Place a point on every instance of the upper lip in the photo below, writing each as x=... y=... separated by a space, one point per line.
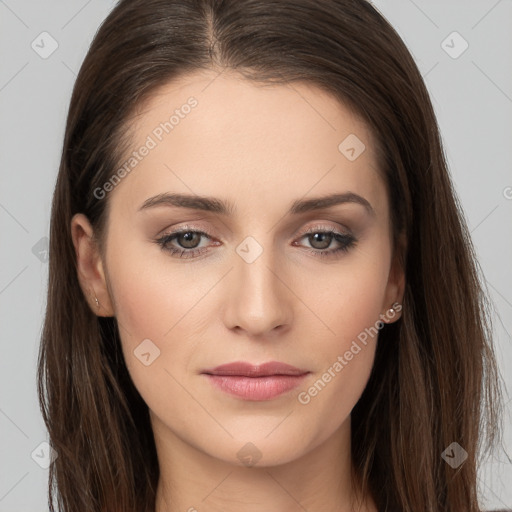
x=250 y=370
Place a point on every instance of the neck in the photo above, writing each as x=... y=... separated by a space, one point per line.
x=193 y=481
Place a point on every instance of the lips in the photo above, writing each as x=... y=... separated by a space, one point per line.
x=243 y=369
x=251 y=382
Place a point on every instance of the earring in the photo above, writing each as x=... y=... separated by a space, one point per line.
x=394 y=307
x=97 y=301
x=392 y=310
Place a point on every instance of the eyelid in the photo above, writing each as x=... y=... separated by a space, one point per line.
x=312 y=229
x=325 y=227
x=186 y=228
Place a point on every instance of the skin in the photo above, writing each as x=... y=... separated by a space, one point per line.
x=261 y=148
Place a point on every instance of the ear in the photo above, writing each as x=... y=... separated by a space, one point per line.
x=90 y=270
x=395 y=288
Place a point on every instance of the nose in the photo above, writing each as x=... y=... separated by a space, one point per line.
x=259 y=298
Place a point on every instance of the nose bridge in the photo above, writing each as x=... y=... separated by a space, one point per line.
x=258 y=297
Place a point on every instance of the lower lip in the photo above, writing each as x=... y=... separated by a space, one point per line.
x=256 y=388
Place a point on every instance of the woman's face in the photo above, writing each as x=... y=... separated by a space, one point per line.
x=259 y=285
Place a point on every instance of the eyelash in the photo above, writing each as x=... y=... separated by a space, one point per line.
x=347 y=241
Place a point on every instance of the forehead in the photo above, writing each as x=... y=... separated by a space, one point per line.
x=210 y=134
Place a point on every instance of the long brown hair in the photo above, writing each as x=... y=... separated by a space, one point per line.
x=435 y=379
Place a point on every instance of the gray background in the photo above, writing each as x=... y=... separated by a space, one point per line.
x=472 y=96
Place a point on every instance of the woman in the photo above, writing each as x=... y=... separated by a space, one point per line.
x=262 y=294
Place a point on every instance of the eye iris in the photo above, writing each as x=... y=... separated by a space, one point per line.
x=323 y=238
x=189 y=239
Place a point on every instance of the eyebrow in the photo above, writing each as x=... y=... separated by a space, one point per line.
x=222 y=207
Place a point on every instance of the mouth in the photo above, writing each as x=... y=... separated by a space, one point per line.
x=253 y=382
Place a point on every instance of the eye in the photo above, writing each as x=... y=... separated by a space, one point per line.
x=321 y=239
x=189 y=240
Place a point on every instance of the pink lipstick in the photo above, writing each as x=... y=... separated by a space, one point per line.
x=253 y=382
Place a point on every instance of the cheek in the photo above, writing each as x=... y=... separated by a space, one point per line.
x=351 y=309
x=151 y=303
x=354 y=291
x=344 y=359
x=326 y=401
x=154 y=309
x=150 y=295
